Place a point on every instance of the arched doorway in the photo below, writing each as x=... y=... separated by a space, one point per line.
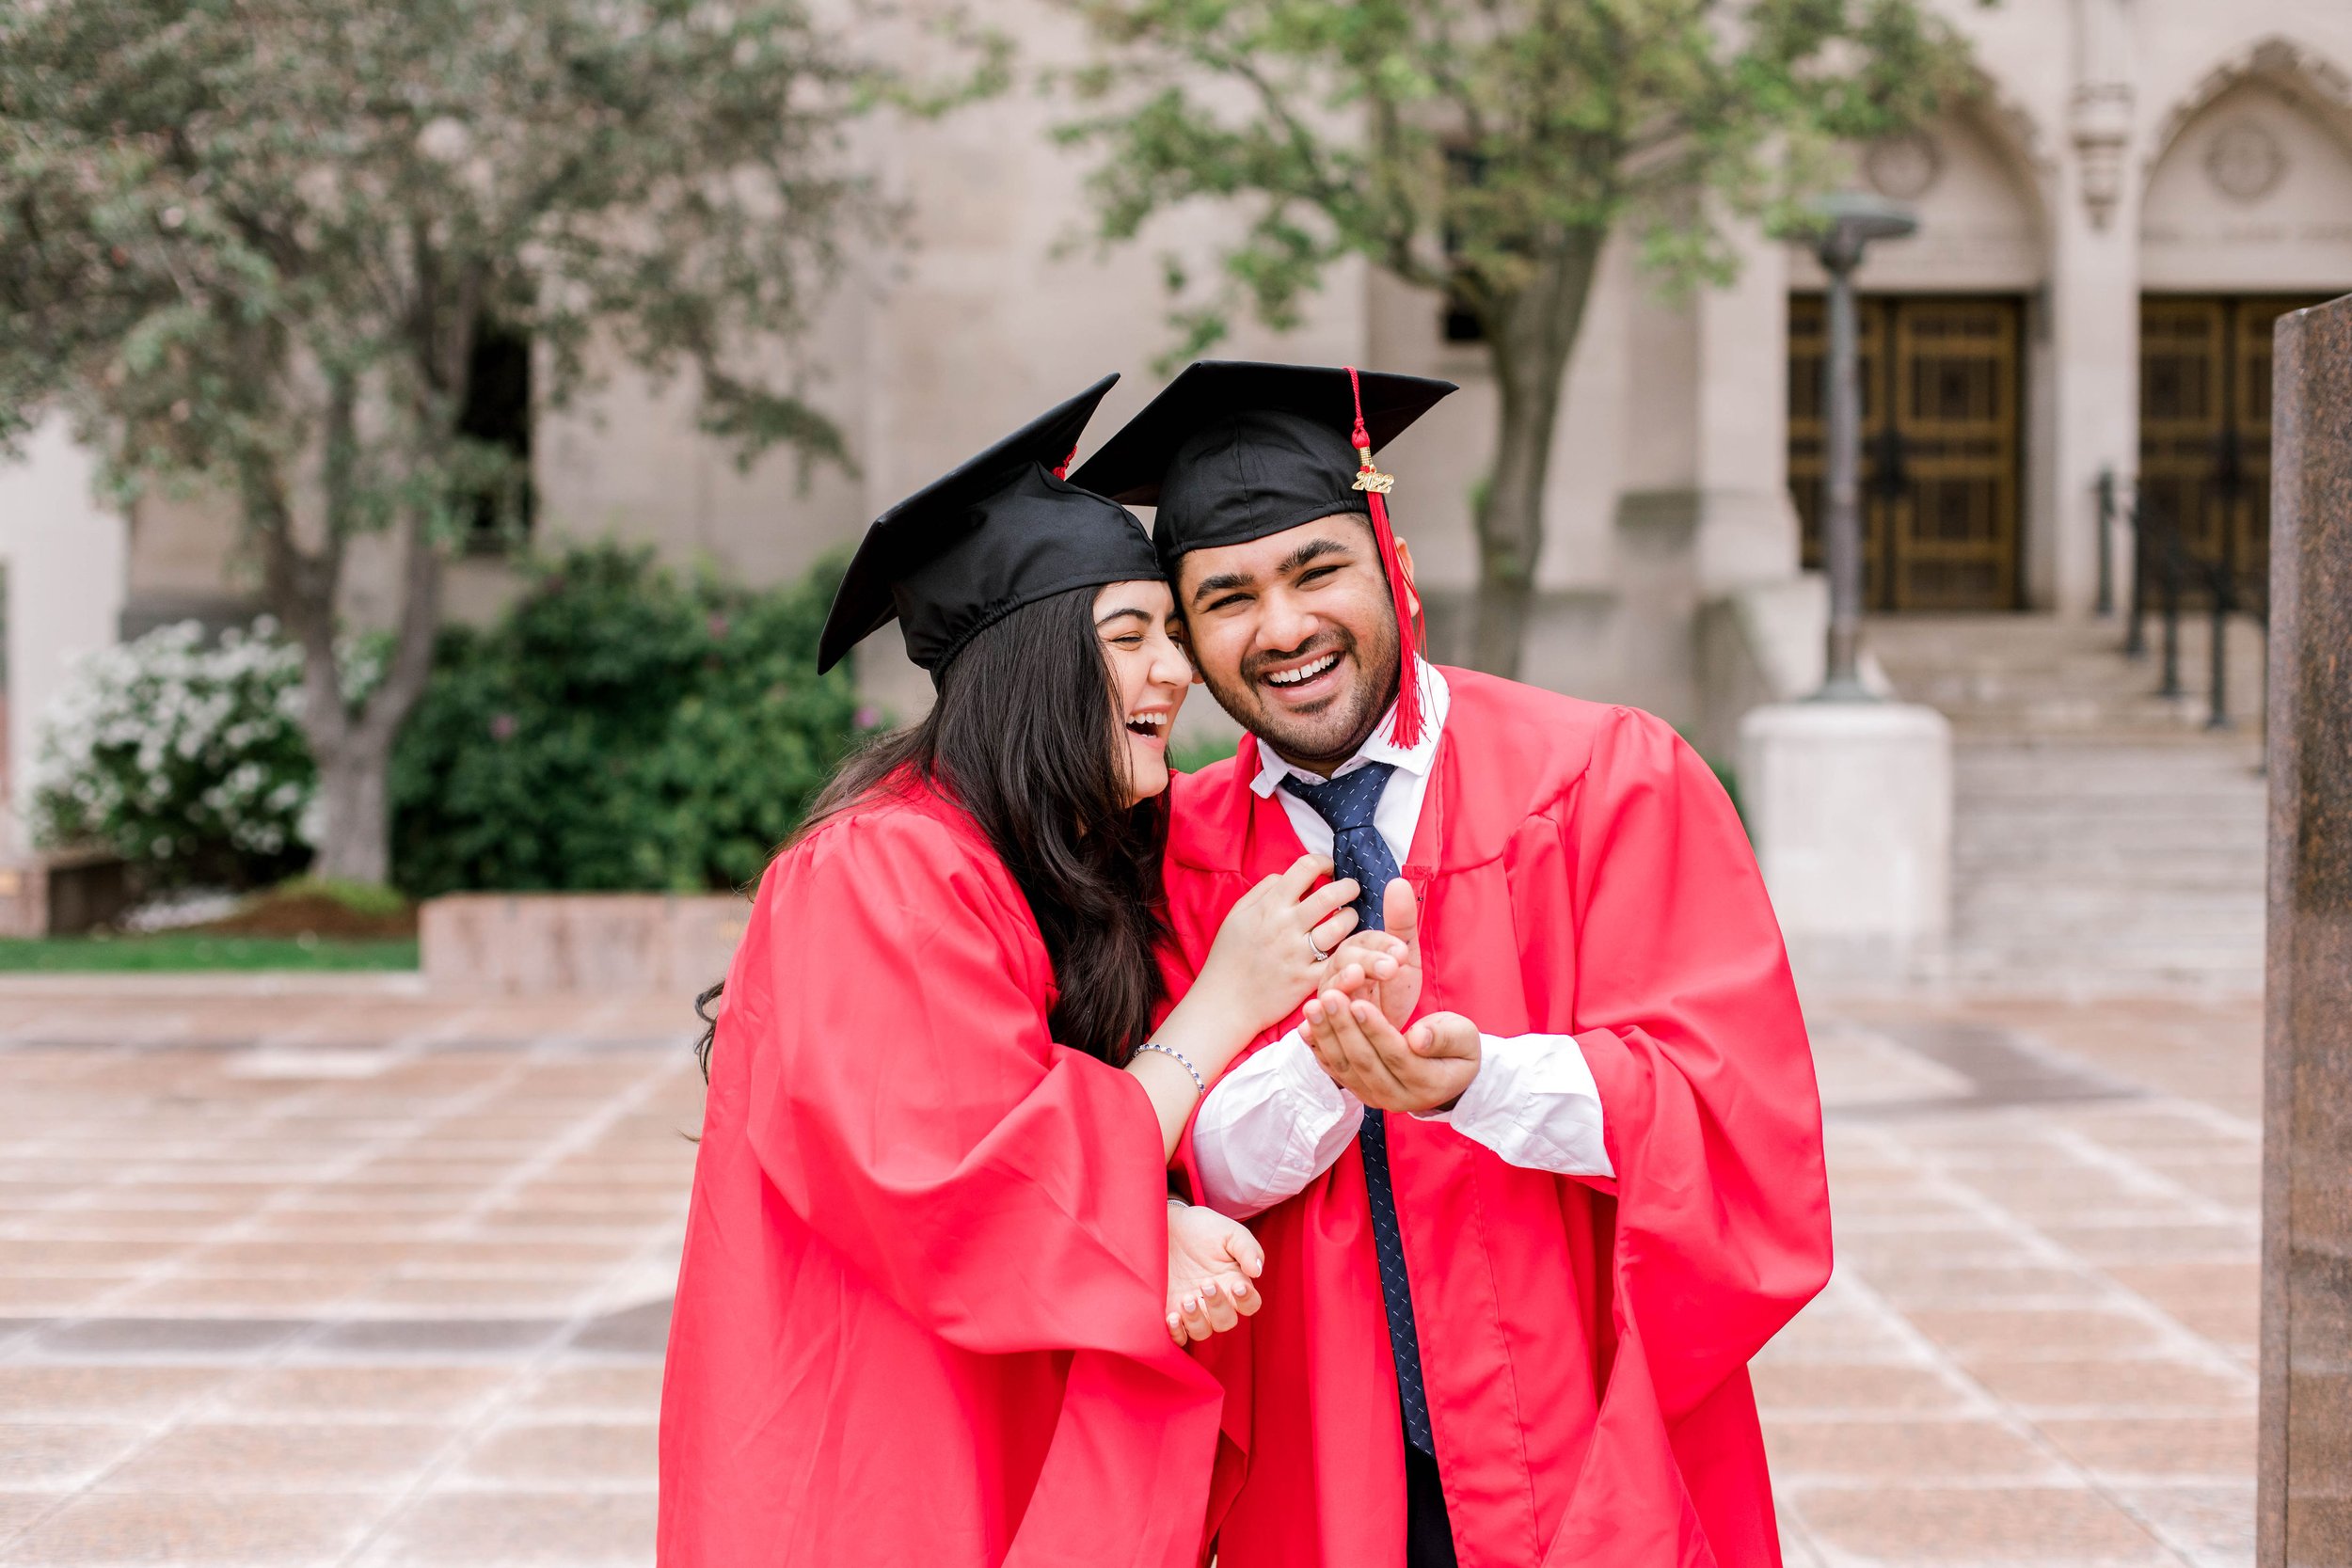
x=2247 y=215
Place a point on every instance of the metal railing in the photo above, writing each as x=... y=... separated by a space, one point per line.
x=2162 y=568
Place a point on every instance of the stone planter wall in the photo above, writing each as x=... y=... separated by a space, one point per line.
x=576 y=943
x=62 y=892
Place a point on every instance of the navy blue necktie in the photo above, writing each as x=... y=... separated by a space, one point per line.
x=1358 y=851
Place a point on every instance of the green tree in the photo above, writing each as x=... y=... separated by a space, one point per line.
x=1486 y=150
x=250 y=247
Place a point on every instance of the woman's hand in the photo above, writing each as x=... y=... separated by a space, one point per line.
x=1264 y=963
x=1210 y=1262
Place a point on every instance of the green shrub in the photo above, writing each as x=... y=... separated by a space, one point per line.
x=1193 y=756
x=621 y=727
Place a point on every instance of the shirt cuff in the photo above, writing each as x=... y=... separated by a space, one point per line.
x=1535 y=1104
x=1269 y=1127
x=1292 y=1066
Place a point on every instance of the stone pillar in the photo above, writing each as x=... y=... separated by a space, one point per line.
x=1706 y=536
x=2304 y=1510
x=65 y=560
x=1748 y=533
x=2093 y=310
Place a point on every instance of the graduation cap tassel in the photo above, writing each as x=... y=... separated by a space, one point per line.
x=1062 y=469
x=1376 y=485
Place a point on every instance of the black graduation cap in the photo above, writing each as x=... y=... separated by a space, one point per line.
x=1003 y=530
x=1234 y=451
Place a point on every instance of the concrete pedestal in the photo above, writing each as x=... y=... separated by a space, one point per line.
x=1850 y=808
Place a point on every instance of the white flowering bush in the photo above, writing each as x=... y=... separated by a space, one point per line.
x=185 y=755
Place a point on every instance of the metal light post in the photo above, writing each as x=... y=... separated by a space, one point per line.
x=1848 y=223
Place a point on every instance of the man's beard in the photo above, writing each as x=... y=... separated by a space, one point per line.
x=1324 y=739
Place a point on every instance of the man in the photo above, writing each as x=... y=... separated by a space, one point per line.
x=1520 y=1250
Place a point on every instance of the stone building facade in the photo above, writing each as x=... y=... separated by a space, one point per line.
x=2105 y=234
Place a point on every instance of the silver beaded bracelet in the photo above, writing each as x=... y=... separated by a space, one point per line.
x=1198 y=1081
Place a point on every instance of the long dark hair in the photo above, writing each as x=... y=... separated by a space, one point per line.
x=1028 y=737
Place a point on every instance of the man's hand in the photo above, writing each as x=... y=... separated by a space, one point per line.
x=1426 y=1067
x=1210 y=1262
x=1389 y=958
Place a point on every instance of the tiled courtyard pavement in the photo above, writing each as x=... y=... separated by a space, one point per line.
x=2039 y=1344
x=340 y=1274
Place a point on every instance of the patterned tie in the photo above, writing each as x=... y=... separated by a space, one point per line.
x=1358 y=851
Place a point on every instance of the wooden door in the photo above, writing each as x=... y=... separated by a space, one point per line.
x=2205 y=435
x=1941 y=448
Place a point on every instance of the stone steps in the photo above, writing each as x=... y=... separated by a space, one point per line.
x=2122 y=828
x=2103 y=839
x=1987 y=886
x=2122 y=949
x=2004 y=890
x=2198 y=972
x=2215 y=818
x=2021 y=676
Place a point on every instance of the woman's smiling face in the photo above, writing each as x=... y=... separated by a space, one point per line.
x=1150 y=673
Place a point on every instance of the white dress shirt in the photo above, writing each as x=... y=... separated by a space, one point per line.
x=1277 y=1121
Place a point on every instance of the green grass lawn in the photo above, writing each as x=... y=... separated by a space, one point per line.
x=192 y=950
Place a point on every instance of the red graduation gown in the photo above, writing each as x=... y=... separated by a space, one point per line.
x=919 y=1318
x=1583 y=1343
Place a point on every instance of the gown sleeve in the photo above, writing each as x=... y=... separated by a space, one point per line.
x=1688 y=1019
x=1004 y=1190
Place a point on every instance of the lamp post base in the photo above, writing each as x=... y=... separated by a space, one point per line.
x=1845 y=688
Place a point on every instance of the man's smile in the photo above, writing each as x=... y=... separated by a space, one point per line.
x=1307 y=680
x=1306 y=671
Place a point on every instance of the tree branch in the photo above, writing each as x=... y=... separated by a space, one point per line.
x=420 y=620
x=343 y=455
x=299 y=587
x=1322 y=189
x=1401 y=226
x=1451 y=85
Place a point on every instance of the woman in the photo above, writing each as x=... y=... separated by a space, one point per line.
x=923 y=1313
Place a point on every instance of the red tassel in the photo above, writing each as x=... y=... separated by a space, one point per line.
x=1406 y=732
x=1062 y=469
